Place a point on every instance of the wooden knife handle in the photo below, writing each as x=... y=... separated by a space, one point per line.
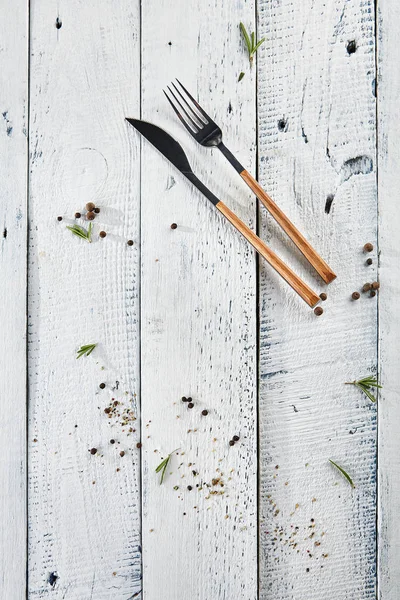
x=311 y=255
x=273 y=259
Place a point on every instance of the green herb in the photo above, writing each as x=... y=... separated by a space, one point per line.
x=251 y=44
x=241 y=75
x=343 y=472
x=86 y=350
x=162 y=467
x=365 y=385
x=81 y=231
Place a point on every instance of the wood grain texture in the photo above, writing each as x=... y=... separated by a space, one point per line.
x=13 y=247
x=198 y=315
x=316 y=109
x=389 y=321
x=298 y=285
x=283 y=220
x=84 y=509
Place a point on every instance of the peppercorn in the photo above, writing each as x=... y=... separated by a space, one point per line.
x=355 y=296
x=93 y=451
x=90 y=206
x=96 y=210
x=122 y=453
x=372 y=293
x=235 y=438
x=78 y=215
x=189 y=399
x=174 y=225
x=102 y=386
x=184 y=399
x=366 y=287
x=107 y=410
x=130 y=242
x=112 y=441
x=323 y=296
x=102 y=234
x=59 y=218
x=318 y=311
x=138 y=445
x=368 y=247
x=375 y=285
x=231 y=442
x=90 y=216
x=368 y=261
x=190 y=405
x=204 y=413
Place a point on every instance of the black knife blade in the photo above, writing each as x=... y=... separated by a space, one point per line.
x=173 y=151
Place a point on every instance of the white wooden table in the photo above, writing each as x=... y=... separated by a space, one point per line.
x=191 y=311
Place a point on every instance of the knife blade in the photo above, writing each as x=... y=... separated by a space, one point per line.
x=174 y=152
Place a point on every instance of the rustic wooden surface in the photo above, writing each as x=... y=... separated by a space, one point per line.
x=190 y=311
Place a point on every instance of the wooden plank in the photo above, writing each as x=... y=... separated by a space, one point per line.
x=198 y=315
x=316 y=109
x=389 y=321
x=84 y=509
x=13 y=252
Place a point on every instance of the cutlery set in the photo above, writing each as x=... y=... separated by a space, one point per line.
x=207 y=133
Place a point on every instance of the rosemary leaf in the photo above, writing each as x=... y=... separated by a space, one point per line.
x=343 y=472
x=365 y=384
x=81 y=231
x=162 y=467
x=246 y=37
x=241 y=75
x=86 y=350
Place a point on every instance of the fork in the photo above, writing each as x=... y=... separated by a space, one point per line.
x=207 y=133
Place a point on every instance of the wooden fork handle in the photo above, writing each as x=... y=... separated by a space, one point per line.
x=273 y=259
x=311 y=255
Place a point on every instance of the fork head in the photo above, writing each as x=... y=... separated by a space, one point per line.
x=193 y=117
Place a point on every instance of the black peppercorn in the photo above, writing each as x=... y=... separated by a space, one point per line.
x=78 y=215
x=122 y=453
x=102 y=386
x=93 y=450
x=366 y=287
x=368 y=261
x=190 y=405
x=232 y=442
x=138 y=445
x=184 y=399
x=96 y=210
x=189 y=487
x=375 y=285
x=204 y=413
x=235 y=438
x=355 y=295
x=323 y=296
x=90 y=206
x=368 y=247
x=112 y=441
x=59 y=218
x=174 y=225
x=372 y=293
x=102 y=234
x=318 y=311
x=130 y=242
x=90 y=216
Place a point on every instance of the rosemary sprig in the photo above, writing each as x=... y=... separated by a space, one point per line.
x=86 y=350
x=343 y=472
x=162 y=467
x=81 y=231
x=365 y=384
x=251 y=44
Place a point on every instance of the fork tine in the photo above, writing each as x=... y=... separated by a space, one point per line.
x=178 y=114
x=197 y=105
x=201 y=120
x=190 y=119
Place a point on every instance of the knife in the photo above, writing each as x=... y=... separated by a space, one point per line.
x=173 y=151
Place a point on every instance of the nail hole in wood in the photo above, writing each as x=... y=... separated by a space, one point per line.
x=351 y=47
x=58 y=23
x=282 y=125
x=328 y=203
x=5 y=233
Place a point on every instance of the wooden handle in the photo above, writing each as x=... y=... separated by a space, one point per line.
x=311 y=255
x=288 y=275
